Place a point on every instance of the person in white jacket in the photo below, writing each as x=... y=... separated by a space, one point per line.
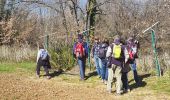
x=43 y=60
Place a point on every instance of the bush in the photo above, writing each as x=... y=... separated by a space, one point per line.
x=61 y=57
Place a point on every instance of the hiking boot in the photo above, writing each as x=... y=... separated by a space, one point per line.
x=38 y=76
x=109 y=91
x=126 y=90
x=118 y=94
x=48 y=77
x=82 y=79
x=105 y=82
x=102 y=81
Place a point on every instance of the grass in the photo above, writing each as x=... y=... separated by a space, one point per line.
x=160 y=85
x=10 y=67
x=7 y=67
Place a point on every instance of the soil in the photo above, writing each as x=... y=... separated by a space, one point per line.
x=18 y=86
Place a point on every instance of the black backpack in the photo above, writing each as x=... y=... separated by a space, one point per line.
x=102 y=51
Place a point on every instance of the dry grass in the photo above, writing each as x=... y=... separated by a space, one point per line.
x=17 y=54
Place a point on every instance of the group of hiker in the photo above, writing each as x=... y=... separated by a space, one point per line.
x=112 y=60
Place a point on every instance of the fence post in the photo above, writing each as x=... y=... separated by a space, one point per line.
x=155 y=53
x=46 y=41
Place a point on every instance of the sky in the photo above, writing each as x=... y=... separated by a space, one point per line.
x=83 y=3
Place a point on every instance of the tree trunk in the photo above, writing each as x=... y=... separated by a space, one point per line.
x=91 y=14
x=2 y=5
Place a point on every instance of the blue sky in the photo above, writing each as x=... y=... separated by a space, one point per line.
x=83 y=3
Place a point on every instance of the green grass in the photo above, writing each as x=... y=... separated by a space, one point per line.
x=10 y=67
x=7 y=67
x=161 y=84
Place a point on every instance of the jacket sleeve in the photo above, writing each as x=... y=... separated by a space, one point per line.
x=38 y=55
x=109 y=52
x=86 y=46
x=126 y=55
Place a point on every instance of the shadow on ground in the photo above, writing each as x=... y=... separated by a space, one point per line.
x=56 y=73
x=91 y=74
x=141 y=82
x=141 y=77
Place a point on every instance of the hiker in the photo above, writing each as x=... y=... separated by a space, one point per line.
x=103 y=60
x=80 y=52
x=95 y=55
x=115 y=54
x=43 y=60
x=132 y=46
x=126 y=68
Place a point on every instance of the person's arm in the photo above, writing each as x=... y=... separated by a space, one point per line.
x=86 y=46
x=109 y=52
x=38 y=55
x=126 y=55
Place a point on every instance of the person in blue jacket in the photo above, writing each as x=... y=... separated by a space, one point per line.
x=81 y=60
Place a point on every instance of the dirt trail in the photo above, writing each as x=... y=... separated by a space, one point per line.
x=24 y=87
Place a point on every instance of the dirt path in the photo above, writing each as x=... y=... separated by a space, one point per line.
x=24 y=87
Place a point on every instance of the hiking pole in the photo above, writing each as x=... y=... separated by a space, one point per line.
x=153 y=36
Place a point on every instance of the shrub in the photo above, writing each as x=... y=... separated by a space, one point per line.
x=61 y=57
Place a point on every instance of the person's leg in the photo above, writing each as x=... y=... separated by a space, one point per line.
x=103 y=68
x=38 y=70
x=100 y=66
x=84 y=66
x=110 y=79
x=80 y=63
x=46 y=70
x=106 y=70
x=123 y=80
x=118 y=74
x=96 y=61
x=135 y=74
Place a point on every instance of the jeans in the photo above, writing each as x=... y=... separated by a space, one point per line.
x=104 y=69
x=81 y=63
x=115 y=71
x=97 y=61
x=133 y=66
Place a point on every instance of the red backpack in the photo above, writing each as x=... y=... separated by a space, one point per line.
x=132 y=52
x=131 y=55
x=79 y=50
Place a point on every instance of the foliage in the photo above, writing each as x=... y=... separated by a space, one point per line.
x=62 y=57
